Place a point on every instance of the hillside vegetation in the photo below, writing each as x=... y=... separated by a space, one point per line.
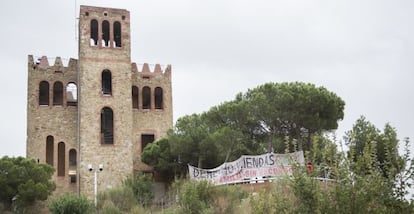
x=363 y=173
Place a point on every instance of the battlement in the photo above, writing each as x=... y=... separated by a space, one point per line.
x=99 y=10
x=43 y=63
x=146 y=71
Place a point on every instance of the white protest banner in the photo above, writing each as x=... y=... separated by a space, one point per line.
x=248 y=167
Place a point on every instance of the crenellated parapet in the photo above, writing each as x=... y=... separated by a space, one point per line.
x=42 y=63
x=51 y=79
x=146 y=72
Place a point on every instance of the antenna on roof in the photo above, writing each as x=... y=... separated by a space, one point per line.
x=76 y=33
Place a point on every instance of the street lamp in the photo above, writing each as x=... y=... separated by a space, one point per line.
x=95 y=183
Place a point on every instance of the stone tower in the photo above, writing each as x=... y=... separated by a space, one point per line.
x=99 y=109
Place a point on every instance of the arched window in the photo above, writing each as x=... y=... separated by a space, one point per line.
x=106 y=82
x=158 y=98
x=72 y=157
x=71 y=94
x=44 y=93
x=72 y=166
x=94 y=32
x=105 y=33
x=135 y=97
x=58 y=94
x=61 y=159
x=107 y=126
x=117 y=34
x=146 y=97
x=49 y=150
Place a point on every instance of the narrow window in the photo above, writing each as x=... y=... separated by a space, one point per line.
x=72 y=157
x=71 y=94
x=72 y=166
x=117 y=34
x=106 y=82
x=145 y=140
x=107 y=126
x=61 y=159
x=105 y=34
x=134 y=97
x=49 y=150
x=158 y=98
x=44 y=93
x=146 y=97
x=58 y=94
x=94 y=32
x=72 y=179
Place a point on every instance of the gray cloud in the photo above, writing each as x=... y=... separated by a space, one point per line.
x=361 y=50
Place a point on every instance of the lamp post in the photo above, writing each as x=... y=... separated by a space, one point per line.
x=95 y=182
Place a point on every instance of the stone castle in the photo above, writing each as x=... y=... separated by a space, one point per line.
x=98 y=111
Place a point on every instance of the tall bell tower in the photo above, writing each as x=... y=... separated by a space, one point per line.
x=105 y=118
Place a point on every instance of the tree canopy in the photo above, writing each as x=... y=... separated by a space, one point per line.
x=365 y=135
x=23 y=181
x=294 y=109
x=255 y=122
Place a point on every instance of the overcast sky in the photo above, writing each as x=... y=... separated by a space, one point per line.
x=363 y=50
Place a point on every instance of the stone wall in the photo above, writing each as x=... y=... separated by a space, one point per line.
x=59 y=121
x=151 y=121
x=79 y=127
x=93 y=60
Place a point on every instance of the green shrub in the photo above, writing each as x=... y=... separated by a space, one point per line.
x=122 y=198
x=194 y=197
x=141 y=186
x=70 y=203
x=202 y=197
x=278 y=199
x=225 y=199
x=140 y=210
x=261 y=203
x=307 y=193
x=110 y=208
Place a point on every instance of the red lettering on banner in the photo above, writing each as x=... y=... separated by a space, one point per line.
x=248 y=167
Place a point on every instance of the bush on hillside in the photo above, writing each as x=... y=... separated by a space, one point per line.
x=70 y=203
